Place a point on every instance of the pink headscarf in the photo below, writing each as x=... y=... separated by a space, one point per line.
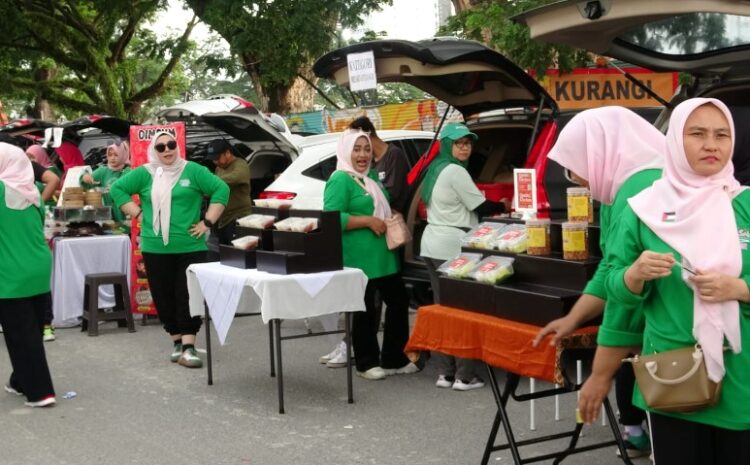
x=689 y=211
x=607 y=145
x=18 y=176
x=122 y=158
x=40 y=155
x=70 y=155
x=344 y=163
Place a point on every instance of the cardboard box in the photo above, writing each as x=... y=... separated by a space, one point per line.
x=238 y=258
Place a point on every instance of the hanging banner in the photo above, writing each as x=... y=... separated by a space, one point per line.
x=598 y=87
x=361 y=71
x=140 y=138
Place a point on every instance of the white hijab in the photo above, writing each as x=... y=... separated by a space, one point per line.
x=344 y=163
x=164 y=179
x=18 y=176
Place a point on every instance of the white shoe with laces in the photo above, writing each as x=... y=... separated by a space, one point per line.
x=407 y=369
x=462 y=385
x=444 y=381
x=340 y=348
x=373 y=373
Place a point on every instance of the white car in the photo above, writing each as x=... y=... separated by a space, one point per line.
x=304 y=180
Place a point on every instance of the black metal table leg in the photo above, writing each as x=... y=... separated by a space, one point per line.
x=270 y=348
x=612 y=419
x=209 y=364
x=280 y=373
x=348 y=339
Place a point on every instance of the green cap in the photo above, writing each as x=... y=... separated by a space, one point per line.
x=455 y=131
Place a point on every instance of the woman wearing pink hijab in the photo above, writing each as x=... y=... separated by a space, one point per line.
x=354 y=191
x=695 y=218
x=24 y=278
x=69 y=156
x=118 y=159
x=616 y=154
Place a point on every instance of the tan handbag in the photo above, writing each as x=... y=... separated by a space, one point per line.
x=396 y=234
x=675 y=380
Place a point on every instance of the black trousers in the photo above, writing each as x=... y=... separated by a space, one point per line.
x=396 y=330
x=682 y=442
x=48 y=314
x=630 y=415
x=168 y=282
x=22 y=321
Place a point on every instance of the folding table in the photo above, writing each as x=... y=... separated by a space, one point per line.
x=506 y=345
x=217 y=292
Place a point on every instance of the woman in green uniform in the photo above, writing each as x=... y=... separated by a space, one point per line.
x=118 y=159
x=697 y=217
x=172 y=232
x=24 y=278
x=354 y=190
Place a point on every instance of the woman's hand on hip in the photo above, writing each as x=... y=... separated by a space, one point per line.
x=718 y=287
x=198 y=229
x=377 y=225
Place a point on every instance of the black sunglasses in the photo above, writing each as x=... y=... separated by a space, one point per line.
x=171 y=145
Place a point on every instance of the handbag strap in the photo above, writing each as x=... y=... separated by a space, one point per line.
x=652 y=367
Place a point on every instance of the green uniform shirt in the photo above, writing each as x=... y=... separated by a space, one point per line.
x=195 y=183
x=363 y=249
x=237 y=177
x=25 y=258
x=104 y=177
x=662 y=315
x=632 y=186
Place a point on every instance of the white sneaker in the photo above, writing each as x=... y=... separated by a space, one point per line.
x=407 y=369
x=444 y=381
x=461 y=385
x=340 y=348
x=339 y=361
x=373 y=373
x=48 y=401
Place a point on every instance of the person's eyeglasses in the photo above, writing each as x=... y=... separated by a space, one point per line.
x=463 y=145
x=171 y=145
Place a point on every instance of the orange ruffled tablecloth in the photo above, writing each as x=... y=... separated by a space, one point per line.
x=501 y=343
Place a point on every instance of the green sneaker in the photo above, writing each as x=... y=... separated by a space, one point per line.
x=637 y=446
x=176 y=352
x=49 y=333
x=190 y=359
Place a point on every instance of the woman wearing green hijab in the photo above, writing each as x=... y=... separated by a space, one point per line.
x=453 y=205
x=453 y=200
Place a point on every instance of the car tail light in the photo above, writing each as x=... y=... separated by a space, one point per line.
x=277 y=195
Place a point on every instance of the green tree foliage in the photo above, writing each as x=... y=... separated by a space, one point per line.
x=488 y=21
x=277 y=41
x=87 y=56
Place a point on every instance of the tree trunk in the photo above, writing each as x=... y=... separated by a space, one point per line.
x=462 y=5
x=42 y=108
x=280 y=97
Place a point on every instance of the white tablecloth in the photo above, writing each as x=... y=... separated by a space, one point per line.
x=76 y=257
x=294 y=296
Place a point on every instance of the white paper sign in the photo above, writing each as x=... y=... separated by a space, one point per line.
x=361 y=71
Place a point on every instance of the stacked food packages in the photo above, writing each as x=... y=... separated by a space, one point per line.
x=491 y=270
x=297 y=224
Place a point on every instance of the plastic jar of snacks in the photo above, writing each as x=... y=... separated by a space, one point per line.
x=575 y=241
x=580 y=205
x=539 y=237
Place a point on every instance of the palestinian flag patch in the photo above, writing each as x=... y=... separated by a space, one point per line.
x=668 y=217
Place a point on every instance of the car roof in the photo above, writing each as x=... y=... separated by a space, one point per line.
x=385 y=134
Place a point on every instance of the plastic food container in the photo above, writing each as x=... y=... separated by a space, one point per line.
x=575 y=239
x=256 y=221
x=461 y=266
x=580 y=205
x=246 y=242
x=512 y=239
x=482 y=236
x=493 y=270
x=297 y=224
x=539 y=237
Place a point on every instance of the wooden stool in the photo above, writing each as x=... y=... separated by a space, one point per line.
x=91 y=312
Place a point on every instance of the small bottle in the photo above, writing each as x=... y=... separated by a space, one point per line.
x=580 y=205
x=575 y=241
x=538 y=231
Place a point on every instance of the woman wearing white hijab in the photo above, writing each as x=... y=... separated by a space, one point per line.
x=171 y=191
x=25 y=269
x=354 y=191
x=696 y=217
